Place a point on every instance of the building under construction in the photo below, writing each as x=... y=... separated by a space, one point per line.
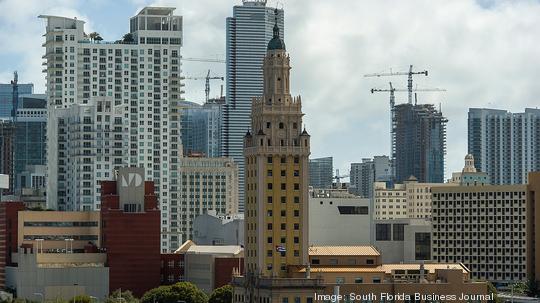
x=7 y=135
x=419 y=143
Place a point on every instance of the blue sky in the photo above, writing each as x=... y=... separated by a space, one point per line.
x=484 y=52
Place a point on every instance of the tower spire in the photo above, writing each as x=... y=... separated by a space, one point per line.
x=276 y=42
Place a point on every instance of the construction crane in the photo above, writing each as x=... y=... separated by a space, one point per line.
x=410 y=73
x=338 y=178
x=207 y=83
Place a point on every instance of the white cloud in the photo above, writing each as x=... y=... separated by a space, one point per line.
x=484 y=53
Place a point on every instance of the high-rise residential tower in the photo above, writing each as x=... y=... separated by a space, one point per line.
x=363 y=175
x=111 y=105
x=248 y=33
x=505 y=145
x=420 y=143
x=276 y=154
x=321 y=172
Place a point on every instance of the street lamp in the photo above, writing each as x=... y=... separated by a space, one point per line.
x=40 y=295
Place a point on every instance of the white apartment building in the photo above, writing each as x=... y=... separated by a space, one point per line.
x=482 y=227
x=137 y=82
x=206 y=184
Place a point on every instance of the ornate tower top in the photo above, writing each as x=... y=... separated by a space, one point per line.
x=469 y=164
x=276 y=42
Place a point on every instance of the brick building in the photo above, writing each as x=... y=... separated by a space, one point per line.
x=130 y=231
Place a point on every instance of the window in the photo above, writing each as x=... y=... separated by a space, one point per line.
x=283 y=213
x=269 y=185
x=283 y=159
x=422 y=246
x=358 y=280
x=280 y=125
x=283 y=186
x=340 y=280
x=382 y=232
x=283 y=200
x=370 y=261
x=285 y=300
x=315 y=261
x=296 y=159
x=268 y=124
x=398 y=233
x=283 y=173
x=269 y=173
x=296 y=240
x=283 y=226
x=376 y=280
x=269 y=240
x=296 y=199
x=269 y=159
x=333 y=261
x=270 y=199
x=296 y=213
x=353 y=210
x=269 y=226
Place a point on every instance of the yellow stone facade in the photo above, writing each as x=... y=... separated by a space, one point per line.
x=276 y=154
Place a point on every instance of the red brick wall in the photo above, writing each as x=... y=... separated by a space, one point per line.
x=9 y=220
x=132 y=241
x=223 y=269
x=177 y=269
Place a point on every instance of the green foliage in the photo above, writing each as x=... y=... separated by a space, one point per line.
x=532 y=288
x=81 y=299
x=182 y=291
x=520 y=288
x=128 y=38
x=493 y=290
x=20 y=300
x=126 y=297
x=222 y=295
x=95 y=36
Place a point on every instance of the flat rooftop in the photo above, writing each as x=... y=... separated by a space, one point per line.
x=365 y=250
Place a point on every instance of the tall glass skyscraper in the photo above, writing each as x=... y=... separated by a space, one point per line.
x=30 y=139
x=321 y=172
x=201 y=127
x=6 y=97
x=248 y=32
x=505 y=145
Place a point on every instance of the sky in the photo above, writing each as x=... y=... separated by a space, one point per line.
x=485 y=53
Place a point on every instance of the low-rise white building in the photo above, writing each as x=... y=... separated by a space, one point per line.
x=211 y=229
x=202 y=263
x=339 y=218
x=403 y=240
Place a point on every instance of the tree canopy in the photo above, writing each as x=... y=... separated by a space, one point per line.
x=119 y=296
x=182 y=291
x=221 y=295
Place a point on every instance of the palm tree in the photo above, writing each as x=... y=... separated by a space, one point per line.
x=94 y=36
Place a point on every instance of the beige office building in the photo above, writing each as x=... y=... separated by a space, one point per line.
x=482 y=227
x=60 y=231
x=408 y=200
x=205 y=184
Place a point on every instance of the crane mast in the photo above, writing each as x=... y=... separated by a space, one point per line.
x=410 y=73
